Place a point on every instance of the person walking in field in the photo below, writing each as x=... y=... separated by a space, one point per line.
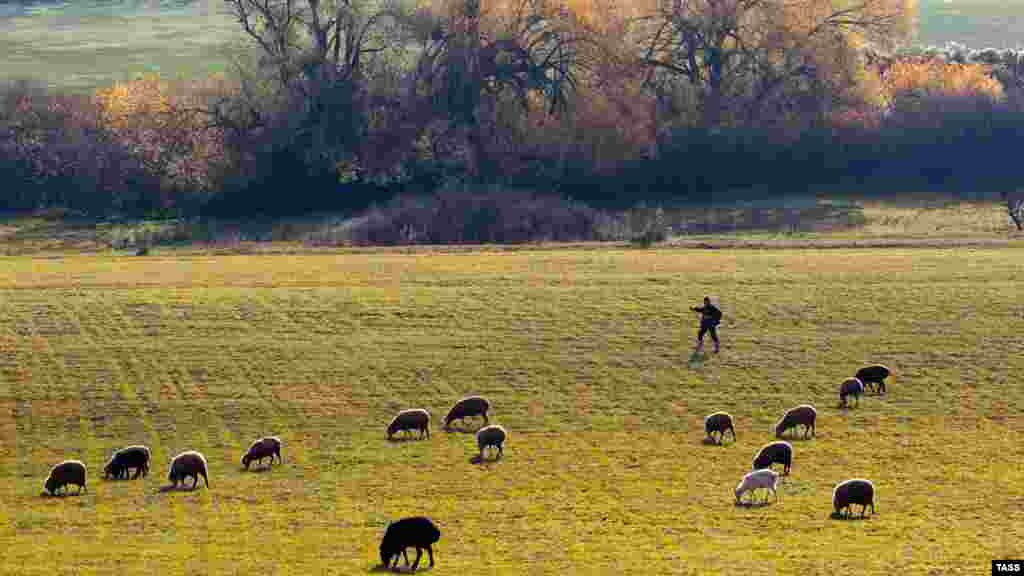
x=710 y=317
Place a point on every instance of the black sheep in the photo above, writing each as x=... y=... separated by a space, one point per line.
x=720 y=422
x=855 y=491
x=125 y=459
x=872 y=375
x=775 y=453
x=417 y=531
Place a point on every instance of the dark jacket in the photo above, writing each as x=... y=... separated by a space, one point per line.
x=709 y=314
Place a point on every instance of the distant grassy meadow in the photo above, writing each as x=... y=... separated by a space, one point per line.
x=586 y=355
x=85 y=44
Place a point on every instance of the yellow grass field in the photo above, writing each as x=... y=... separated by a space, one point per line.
x=585 y=356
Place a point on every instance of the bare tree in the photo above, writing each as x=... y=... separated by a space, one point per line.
x=737 y=54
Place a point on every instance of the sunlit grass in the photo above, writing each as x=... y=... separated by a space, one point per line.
x=584 y=354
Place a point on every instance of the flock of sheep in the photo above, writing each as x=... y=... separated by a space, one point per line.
x=421 y=533
x=846 y=494
x=415 y=532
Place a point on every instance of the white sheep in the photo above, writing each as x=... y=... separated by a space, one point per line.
x=763 y=478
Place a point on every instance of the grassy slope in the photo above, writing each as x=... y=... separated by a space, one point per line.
x=585 y=356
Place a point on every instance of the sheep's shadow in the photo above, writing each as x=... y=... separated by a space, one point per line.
x=463 y=429
x=709 y=441
x=753 y=505
x=256 y=469
x=380 y=568
x=409 y=438
x=46 y=494
x=180 y=488
x=851 y=518
x=796 y=438
x=479 y=460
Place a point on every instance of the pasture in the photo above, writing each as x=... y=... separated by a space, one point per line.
x=584 y=353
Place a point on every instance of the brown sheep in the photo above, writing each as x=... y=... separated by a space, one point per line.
x=803 y=415
x=414 y=419
x=267 y=447
x=720 y=422
x=67 y=472
x=850 y=387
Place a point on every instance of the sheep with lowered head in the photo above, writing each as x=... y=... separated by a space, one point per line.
x=764 y=478
x=854 y=491
x=719 y=422
x=266 y=447
x=67 y=472
x=413 y=419
x=190 y=463
x=850 y=387
x=470 y=406
x=874 y=374
x=775 y=453
x=803 y=415
x=417 y=531
x=493 y=435
x=125 y=459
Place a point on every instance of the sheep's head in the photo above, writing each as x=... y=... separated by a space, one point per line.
x=50 y=485
x=780 y=427
x=246 y=459
x=385 y=555
x=739 y=491
x=393 y=427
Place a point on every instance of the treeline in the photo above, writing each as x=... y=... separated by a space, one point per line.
x=346 y=105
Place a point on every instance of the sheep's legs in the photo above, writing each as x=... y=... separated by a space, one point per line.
x=430 y=550
x=419 y=554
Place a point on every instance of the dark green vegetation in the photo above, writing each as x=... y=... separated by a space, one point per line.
x=585 y=354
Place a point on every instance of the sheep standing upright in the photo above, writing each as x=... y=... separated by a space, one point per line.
x=470 y=406
x=804 y=415
x=190 y=463
x=67 y=472
x=874 y=375
x=854 y=491
x=418 y=531
x=414 y=419
x=850 y=387
x=493 y=435
x=266 y=447
x=764 y=478
x=774 y=453
x=720 y=422
x=125 y=459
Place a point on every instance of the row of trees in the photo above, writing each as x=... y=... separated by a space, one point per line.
x=347 y=102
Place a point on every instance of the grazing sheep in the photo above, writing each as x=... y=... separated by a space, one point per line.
x=125 y=459
x=67 y=472
x=803 y=415
x=850 y=387
x=417 y=531
x=763 y=478
x=872 y=375
x=414 y=419
x=493 y=435
x=719 y=422
x=855 y=491
x=187 y=464
x=775 y=453
x=267 y=447
x=471 y=406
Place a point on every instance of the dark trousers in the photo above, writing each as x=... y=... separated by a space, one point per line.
x=708 y=326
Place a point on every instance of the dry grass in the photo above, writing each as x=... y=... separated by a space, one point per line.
x=585 y=355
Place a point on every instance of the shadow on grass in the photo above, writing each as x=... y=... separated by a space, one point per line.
x=709 y=441
x=849 y=518
x=180 y=488
x=46 y=494
x=752 y=505
x=796 y=438
x=480 y=460
x=256 y=469
x=382 y=569
x=696 y=360
x=462 y=430
x=410 y=438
